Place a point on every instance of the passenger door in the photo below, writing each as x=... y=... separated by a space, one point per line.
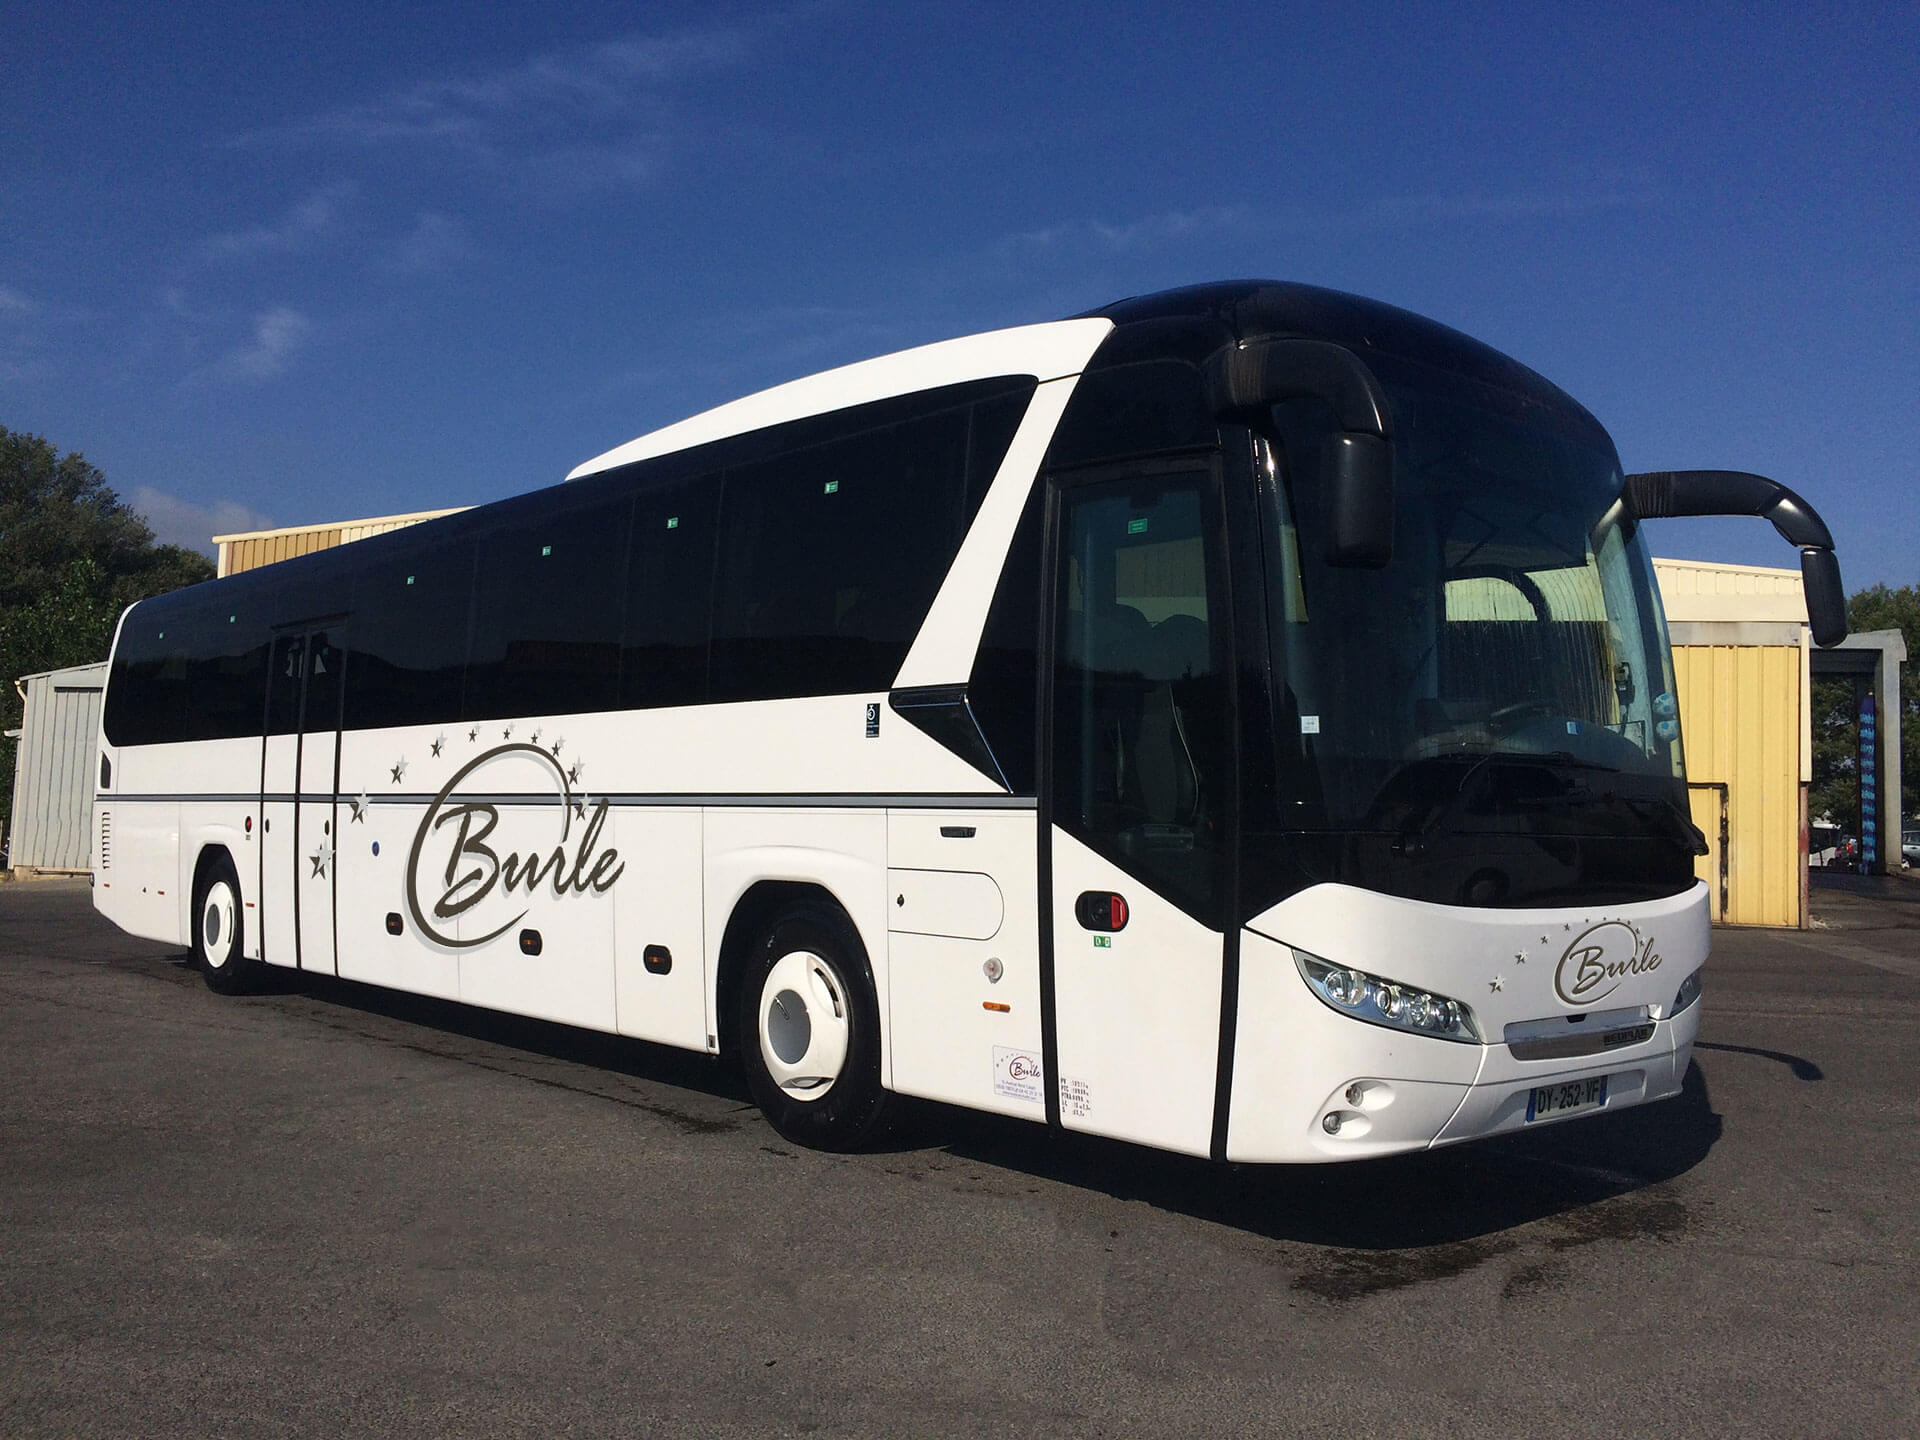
x=298 y=776
x=1139 y=801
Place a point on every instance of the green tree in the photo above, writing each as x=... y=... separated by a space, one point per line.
x=72 y=557
x=1836 y=721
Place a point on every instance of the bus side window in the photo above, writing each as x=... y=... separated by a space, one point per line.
x=548 y=603
x=409 y=636
x=663 y=648
x=830 y=557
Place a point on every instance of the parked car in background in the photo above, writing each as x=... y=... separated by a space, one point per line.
x=1910 y=847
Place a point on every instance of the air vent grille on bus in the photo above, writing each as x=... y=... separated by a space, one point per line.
x=106 y=839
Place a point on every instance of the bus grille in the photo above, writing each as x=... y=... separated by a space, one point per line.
x=106 y=839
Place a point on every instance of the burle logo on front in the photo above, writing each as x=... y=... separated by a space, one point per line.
x=467 y=884
x=1600 y=957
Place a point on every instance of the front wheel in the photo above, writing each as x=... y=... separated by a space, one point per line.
x=810 y=1032
x=217 y=932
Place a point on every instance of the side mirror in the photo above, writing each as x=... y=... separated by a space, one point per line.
x=1659 y=493
x=1356 y=477
x=1826 y=597
x=1356 y=474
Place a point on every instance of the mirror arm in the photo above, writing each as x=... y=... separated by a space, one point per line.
x=1356 y=468
x=1658 y=494
x=1256 y=374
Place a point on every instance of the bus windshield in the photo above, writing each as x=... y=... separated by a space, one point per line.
x=1507 y=672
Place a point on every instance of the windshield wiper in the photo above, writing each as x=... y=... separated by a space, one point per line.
x=1685 y=831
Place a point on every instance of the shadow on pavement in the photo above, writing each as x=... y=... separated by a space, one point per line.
x=1436 y=1198
x=1461 y=1199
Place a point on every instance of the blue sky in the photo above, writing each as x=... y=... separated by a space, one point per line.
x=272 y=265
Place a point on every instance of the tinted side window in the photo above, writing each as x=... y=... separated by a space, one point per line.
x=147 y=689
x=547 y=603
x=830 y=557
x=663 y=658
x=228 y=673
x=409 y=637
x=1143 y=764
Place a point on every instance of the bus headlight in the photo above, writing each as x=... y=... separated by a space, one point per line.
x=1688 y=993
x=1385 y=1002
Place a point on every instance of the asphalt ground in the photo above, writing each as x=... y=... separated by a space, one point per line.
x=333 y=1211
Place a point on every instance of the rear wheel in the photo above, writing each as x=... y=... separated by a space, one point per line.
x=810 y=1031
x=218 y=931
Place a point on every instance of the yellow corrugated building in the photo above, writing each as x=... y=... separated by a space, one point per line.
x=1740 y=660
x=250 y=549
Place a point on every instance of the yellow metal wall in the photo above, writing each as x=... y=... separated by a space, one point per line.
x=1740 y=723
x=252 y=552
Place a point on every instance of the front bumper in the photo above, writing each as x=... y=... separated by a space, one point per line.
x=1296 y=1061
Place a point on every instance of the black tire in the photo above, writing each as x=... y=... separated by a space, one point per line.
x=219 y=931
x=823 y=994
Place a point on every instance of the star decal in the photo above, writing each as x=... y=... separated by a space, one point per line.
x=574 y=774
x=439 y=744
x=1519 y=957
x=1494 y=984
x=1543 y=939
x=360 y=803
x=473 y=734
x=535 y=737
x=558 y=743
x=321 y=858
x=507 y=733
x=580 y=803
x=399 y=771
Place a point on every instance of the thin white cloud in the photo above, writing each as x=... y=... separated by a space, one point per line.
x=278 y=335
x=1146 y=233
x=302 y=226
x=175 y=521
x=1516 y=206
x=14 y=301
x=434 y=242
x=553 y=92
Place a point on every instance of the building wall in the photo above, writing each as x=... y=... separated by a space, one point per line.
x=1740 y=648
x=253 y=548
x=53 y=774
x=1739 y=722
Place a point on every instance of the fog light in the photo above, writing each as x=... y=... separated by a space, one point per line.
x=1688 y=993
x=1331 y=1124
x=1356 y=1092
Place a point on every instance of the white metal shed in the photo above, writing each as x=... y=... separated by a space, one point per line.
x=53 y=770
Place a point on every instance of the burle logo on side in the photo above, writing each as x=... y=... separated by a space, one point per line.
x=456 y=854
x=1600 y=957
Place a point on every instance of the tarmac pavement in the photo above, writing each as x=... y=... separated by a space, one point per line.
x=331 y=1210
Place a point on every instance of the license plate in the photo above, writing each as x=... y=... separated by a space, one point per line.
x=1548 y=1102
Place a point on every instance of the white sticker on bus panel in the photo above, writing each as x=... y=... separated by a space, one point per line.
x=1018 y=1074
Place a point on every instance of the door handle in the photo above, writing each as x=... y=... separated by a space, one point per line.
x=1101 y=910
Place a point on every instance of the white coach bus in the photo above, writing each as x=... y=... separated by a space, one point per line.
x=1237 y=720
